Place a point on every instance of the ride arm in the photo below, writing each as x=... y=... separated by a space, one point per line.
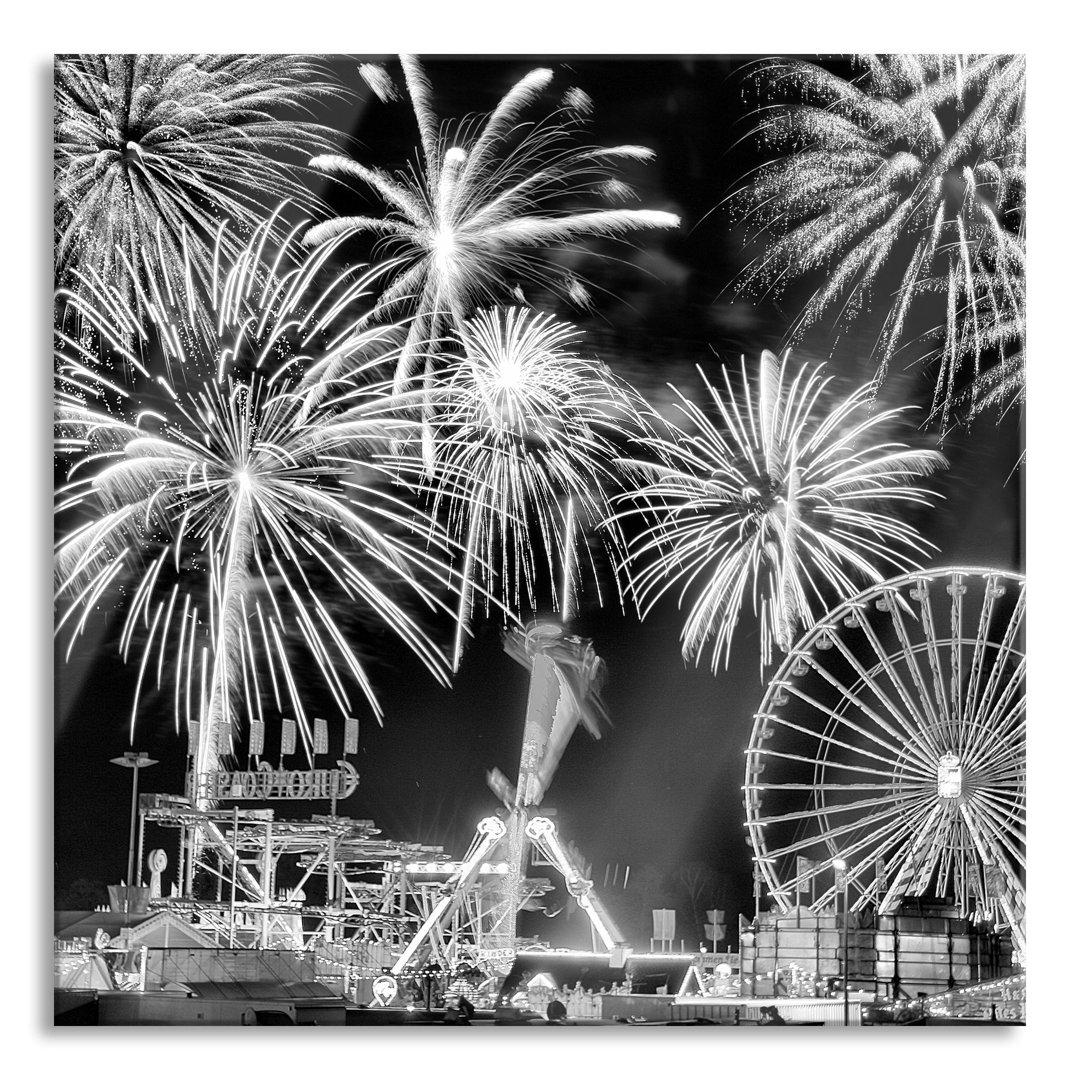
x=488 y=834
x=541 y=831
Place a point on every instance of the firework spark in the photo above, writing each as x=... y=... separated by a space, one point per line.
x=234 y=505
x=153 y=152
x=910 y=181
x=778 y=500
x=488 y=192
x=527 y=451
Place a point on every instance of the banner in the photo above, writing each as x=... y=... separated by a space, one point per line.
x=715 y=929
x=288 y=737
x=804 y=871
x=663 y=921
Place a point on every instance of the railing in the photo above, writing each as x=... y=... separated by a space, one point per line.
x=74 y=966
x=1004 y=1001
x=580 y=1003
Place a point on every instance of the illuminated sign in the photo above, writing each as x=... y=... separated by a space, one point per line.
x=497 y=956
x=384 y=989
x=266 y=782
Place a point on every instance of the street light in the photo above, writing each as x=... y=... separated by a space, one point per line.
x=133 y=760
x=840 y=868
x=429 y=973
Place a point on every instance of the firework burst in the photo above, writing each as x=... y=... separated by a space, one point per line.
x=488 y=193
x=527 y=452
x=153 y=152
x=781 y=499
x=235 y=505
x=908 y=181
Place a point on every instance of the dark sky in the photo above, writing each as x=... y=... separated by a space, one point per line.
x=662 y=786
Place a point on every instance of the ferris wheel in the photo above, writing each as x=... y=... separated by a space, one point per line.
x=887 y=759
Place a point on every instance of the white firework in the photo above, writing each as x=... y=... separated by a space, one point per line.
x=776 y=500
x=487 y=195
x=153 y=152
x=527 y=455
x=237 y=504
x=906 y=184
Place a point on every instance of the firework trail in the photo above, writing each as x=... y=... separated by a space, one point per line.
x=487 y=193
x=908 y=181
x=773 y=499
x=234 y=503
x=527 y=458
x=153 y=153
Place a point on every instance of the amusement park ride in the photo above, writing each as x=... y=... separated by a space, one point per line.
x=562 y=693
x=886 y=762
x=890 y=745
x=387 y=905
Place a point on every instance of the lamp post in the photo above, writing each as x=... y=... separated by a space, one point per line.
x=840 y=867
x=429 y=974
x=133 y=760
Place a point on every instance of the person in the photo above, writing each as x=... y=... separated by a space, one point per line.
x=770 y=1014
x=556 y=1012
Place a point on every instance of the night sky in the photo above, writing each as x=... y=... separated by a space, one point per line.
x=661 y=787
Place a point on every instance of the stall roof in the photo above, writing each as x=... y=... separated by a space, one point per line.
x=649 y=972
x=261 y=990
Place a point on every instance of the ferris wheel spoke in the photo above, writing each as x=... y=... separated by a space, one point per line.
x=816 y=840
x=1009 y=731
x=912 y=735
x=888 y=809
x=1005 y=766
x=833 y=741
x=1007 y=797
x=866 y=770
x=935 y=854
x=941 y=865
x=914 y=855
x=892 y=869
x=957 y=590
x=885 y=788
x=876 y=720
x=1005 y=748
x=1007 y=801
x=1002 y=763
x=919 y=716
x=1010 y=715
x=911 y=661
x=1004 y=828
x=879 y=842
x=992 y=592
x=1013 y=902
x=1013 y=692
x=989 y=838
x=892 y=804
x=921 y=592
x=1015 y=888
x=887 y=837
x=989 y=694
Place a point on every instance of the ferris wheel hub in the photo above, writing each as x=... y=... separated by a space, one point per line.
x=950 y=777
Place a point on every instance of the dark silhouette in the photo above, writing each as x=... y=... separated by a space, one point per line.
x=556 y=1012
x=770 y=1014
